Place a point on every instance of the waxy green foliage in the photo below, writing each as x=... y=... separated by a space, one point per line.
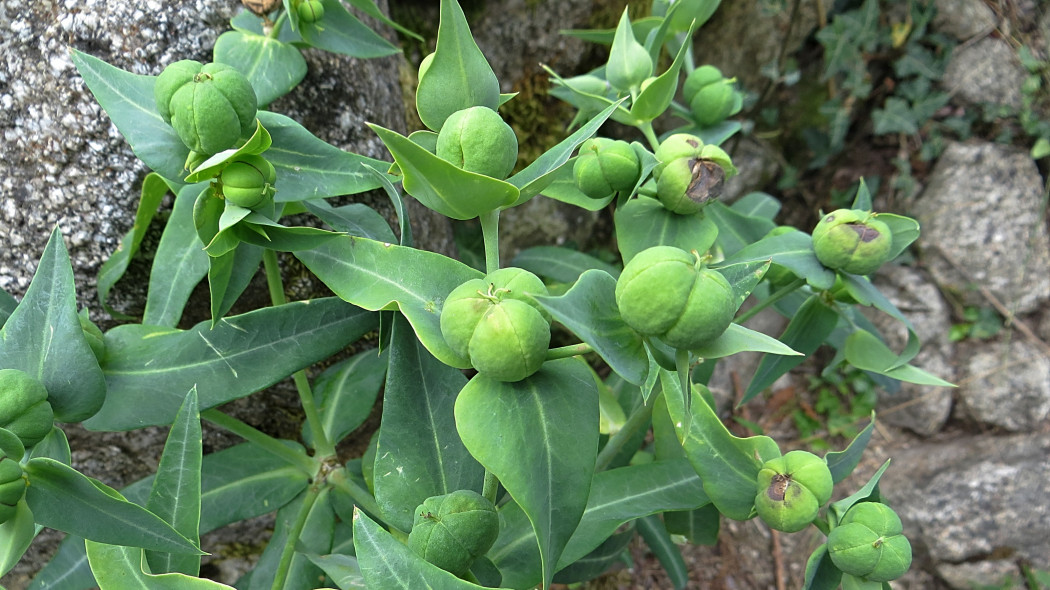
x=24 y=410
x=12 y=487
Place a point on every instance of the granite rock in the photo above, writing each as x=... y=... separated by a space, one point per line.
x=964 y=19
x=1006 y=384
x=986 y=71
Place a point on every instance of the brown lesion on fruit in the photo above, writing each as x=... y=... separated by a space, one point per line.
x=708 y=180
x=864 y=232
x=778 y=487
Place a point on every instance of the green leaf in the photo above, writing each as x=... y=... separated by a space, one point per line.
x=179 y=264
x=356 y=219
x=821 y=573
x=563 y=188
x=441 y=186
x=643 y=222
x=315 y=537
x=793 y=250
x=341 y=32
x=309 y=168
x=629 y=62
x=43 y=338
x=147 y=366
x=369 y=7
x=842 y=463
x=128 y=100
x=868 y=493
x=67 y=570
x=617 y=497
x=727 y=465
x=403 y=222
x=16 y=535
x=176 y=493
x=259 y=142
x=806 y=331
x=379 y=276
x=55 y=446
x=547 y=426
x=589 y=310
x=904 y=230
x=63 y=499
x=735 y=229
x=229 y=275
x=459 y=76
x=387 y=563
x=896 y=117
x=341 y=569
x=757 y=204
x=743 y=277
x=274 y=68
x=866 y=351
x=563 y=265
x=153 y=190
x=652 y=529
x=599 y=561
x=121 y=568
x=259 y=230
x=657 y=96
x=699 y=527
x=7 y=306
x=737 y=338
x=346 y=392
x=862 y=200
x=419 y=397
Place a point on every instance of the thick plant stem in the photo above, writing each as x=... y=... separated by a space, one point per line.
x=322 y=445
x=650 y=135
x=490 y=235
x=260 y=439
x=491 y=487
x=284 y=567
x=780 y=294
x=361 y=497
x=568 y=351
x=638 y=420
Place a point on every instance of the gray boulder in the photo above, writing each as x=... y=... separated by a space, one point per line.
x=985 y=72
x=1007 y=384
x=963 y=19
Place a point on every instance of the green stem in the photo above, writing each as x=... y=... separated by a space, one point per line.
x=569 y=351
x=275 y=31
x=491 y=487
x=321 y=443
x=681 y=361
x=780 y=294
x=361 y=497
x=490 y=235
x=650 y=135
x=261 y=440
x=284 y=567
x=638 y=420
x=823 y=525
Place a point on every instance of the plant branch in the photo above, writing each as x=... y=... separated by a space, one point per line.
x=569 y=351
x=490 y=235
x=284 y=567
x=261 y=439
x=761 y=305
x=638 y=420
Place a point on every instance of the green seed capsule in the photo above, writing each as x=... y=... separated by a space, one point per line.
x=211 y=106
x=791 y=490
x=24 y=409
x=248 y=181
x=453 y=530
x=869 y=543
x=852 y=241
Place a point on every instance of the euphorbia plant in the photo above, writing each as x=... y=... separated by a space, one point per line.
x=500 y=461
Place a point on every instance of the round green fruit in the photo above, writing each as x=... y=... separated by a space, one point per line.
x=605 y=166
x=853 y=241
x=248 y=181
x=24 y=409
x=868 y=543
x=211 y=106
x=791 y=490
x=497 y=325
x=687 y=185
x=12 y=487
x=666 y=293
x=310 y=11
x=478 y=140
x=699 y=78
x=679 y=145
x=453 y=530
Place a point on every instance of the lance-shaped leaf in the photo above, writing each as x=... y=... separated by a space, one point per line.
x=842 y=463
x=440 y=185
x=388 y=563
x=273 y=67
x=869 y=492
x=369 y=7
x=560 y=264
x=346 y=392
x=419 y=453
x=866 y=351
x=16 y=535
x=629 y=64
x=44 y=339
x=342 y=32
x=821 y=573
x=658 y=94
x=128 y=100
x=121 y=568
x=793 y=250
x=643 y=223
x=589 y=310
x=458 y=76
x=728 y=465
x=356 y=219
x=736 y=229
x=341 y=569
x=309 y=168
x=599 y=561
x=147 y=366
x=64 y=499
x=617 y=497
x=904 y=230
x=547 y=426
x=380 y=276
x=652 y=529
x=176 y=493
x=179 y=264
x=737 y=338
x=315 y=536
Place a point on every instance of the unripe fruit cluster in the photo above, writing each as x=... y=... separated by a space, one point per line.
x=453 y=530
x=310 y=11
x=477 y=140
x=869 y=544
x=853 y=241
x=665 y=292
x=12 y=487
x=211 y=106
x=248 y=181
x=791 y=490
x=689 y=174
x=497 y=325
x=24 y=409
x=605 y=166
x=711 y=97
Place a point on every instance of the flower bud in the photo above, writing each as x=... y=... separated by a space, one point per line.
x=310 y=11
x=853 y=241
x=211 y=106
x=477 y=140
x=665 y=292
x=12 y=487
x=868 y=543
x=791 y=490
x=605 y=166
x=453 y=530
x=248 y=181
x=24 y=409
